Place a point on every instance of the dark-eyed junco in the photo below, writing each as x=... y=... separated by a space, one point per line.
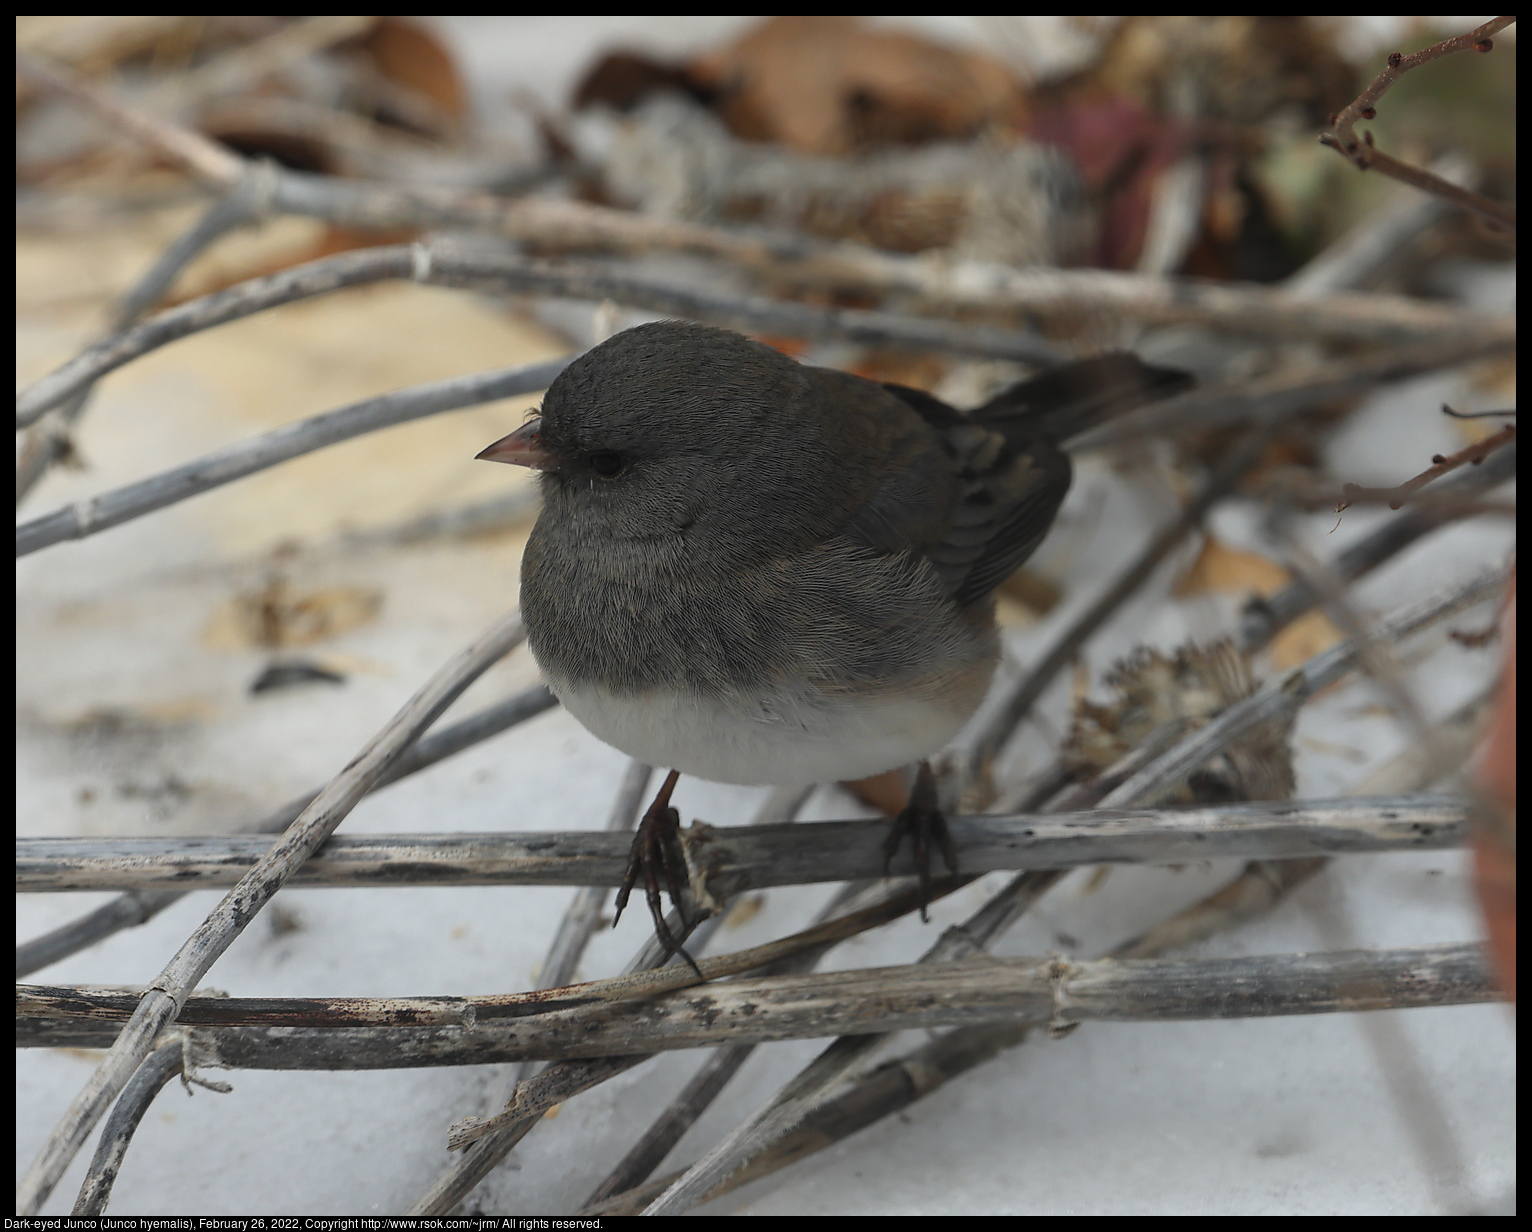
x=755 y=571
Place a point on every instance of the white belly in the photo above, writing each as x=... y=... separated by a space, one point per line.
x=779 y=739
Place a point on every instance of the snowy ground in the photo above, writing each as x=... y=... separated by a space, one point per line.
x=134 y=717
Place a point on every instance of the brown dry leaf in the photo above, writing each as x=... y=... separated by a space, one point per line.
x=901 y=368
x=623 y=79
x=274 y=618
x=829 y=85
x=744 y=910
x=794 y=348
x=412 y=56
x=1220 y=569
x=888 y=792
x=1303 y=639
x=1033 y=591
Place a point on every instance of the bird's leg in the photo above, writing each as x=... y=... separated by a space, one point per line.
x=656 y=849
x=922 y=820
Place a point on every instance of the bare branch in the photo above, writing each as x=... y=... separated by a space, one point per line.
x=1364 y=156
x=162 y=1065
x=248 y=201
x=1262 y=619
x=729 y=861
x=1396 y=496
x=204 y=157
x=449 y=264
x=870 y=1000
x=98 y=513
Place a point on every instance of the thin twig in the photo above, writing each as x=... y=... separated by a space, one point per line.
x=1286 y=392
x=448 y=264
x=98 y=513
x=206 y=158
x=162 y=1065
x=1440 y=465
x=1262 y=619
x=1448 y=411
x=729 y=861
x=1363 y=155
x=136 y=906
x=247 y=202
x=878 y=1000
x=165 y=997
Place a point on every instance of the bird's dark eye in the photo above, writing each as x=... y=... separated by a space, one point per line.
x=608 y=465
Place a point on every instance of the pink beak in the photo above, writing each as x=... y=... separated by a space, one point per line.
x=521 y=448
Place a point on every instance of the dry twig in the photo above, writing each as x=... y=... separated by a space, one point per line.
x=1262 y=619
x=1365 y=156
x=162 y=1065
x=866 y=1001
x=48 y=442
x=1440 y=465
x=731 y=861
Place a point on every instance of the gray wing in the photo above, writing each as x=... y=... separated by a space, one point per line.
x=992 y=507
x=1014 y=474
x=976 y=494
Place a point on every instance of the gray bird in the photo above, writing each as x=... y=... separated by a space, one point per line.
x=756 y=572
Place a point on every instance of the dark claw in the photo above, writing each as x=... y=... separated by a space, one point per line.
x=922 y=820
x=657 y=849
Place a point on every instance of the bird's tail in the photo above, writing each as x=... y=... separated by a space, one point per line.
x=1074 y=397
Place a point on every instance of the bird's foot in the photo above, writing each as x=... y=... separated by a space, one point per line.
x=657 y=849
x=922 y=820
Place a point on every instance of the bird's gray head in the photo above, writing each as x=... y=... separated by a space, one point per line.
x=673 y=430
